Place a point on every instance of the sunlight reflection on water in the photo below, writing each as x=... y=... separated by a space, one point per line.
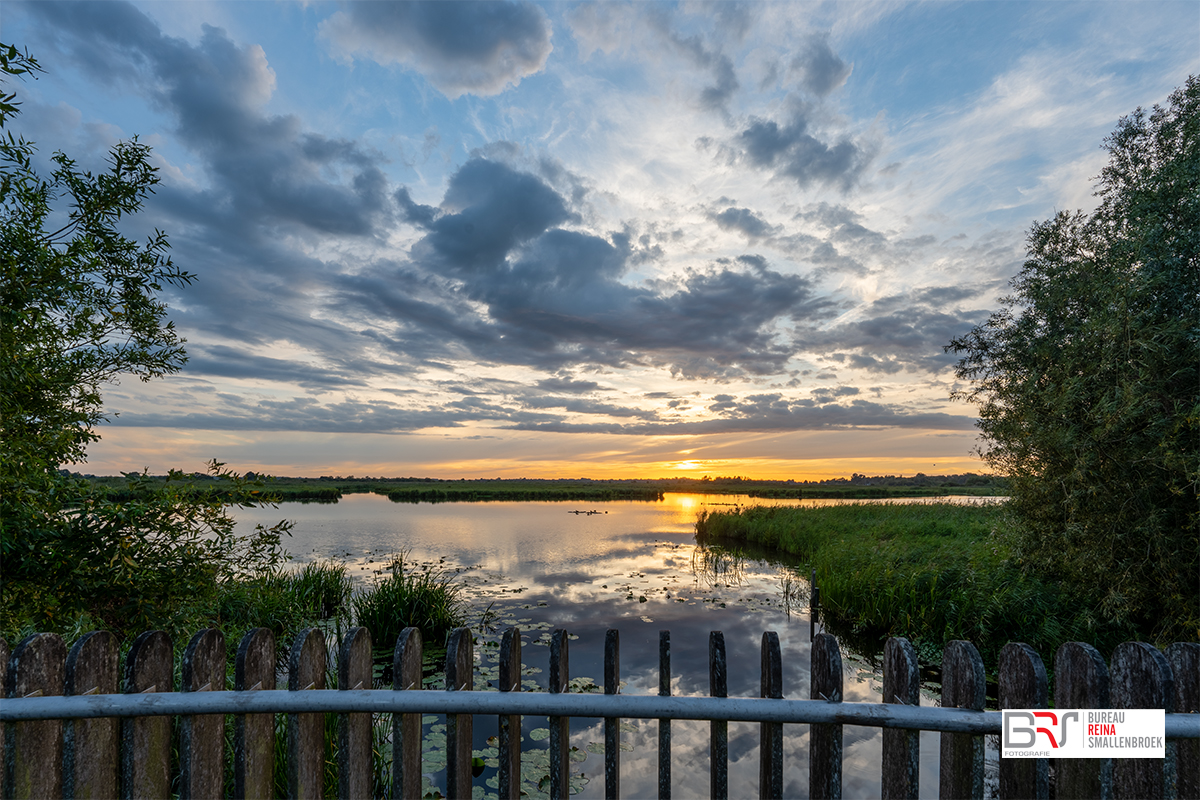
x=633 y=566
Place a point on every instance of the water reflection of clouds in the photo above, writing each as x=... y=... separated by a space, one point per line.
x=540 y=563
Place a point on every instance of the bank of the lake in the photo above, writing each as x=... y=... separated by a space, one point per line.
x=930 y=571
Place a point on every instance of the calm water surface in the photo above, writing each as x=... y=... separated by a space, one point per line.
x=633 y=566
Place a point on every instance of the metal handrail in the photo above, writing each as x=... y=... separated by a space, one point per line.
x=743 y=709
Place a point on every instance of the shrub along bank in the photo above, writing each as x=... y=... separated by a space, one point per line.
x=932 y=572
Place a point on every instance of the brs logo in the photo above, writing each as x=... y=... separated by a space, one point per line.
x=1018 y=736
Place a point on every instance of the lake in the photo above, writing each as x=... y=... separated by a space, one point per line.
x=633 y=566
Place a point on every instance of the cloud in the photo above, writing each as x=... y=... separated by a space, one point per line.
x=464 y=47
x=820 y=70
x=791 y=151
x=555 y=297
x=744 y=221
x=262 y=170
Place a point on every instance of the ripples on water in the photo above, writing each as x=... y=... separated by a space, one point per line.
x=633 y=566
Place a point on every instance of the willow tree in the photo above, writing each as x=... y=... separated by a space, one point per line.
x=1088 y=384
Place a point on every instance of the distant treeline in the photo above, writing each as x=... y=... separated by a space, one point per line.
x=483 y=495
x=414 y=490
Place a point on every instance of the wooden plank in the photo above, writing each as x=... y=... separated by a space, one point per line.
x=92 y=747
x=1184 y=658
x=356 y=769
x=460 y=677
x=254 y=734
x=1141 y=678
x=306 y=732
x=3 y=728
x=510 y=724
x=664 y=725
x=770 y=734
x=899 y=779
x=825 y=741
x=963 y=686
x=406 y=728
x=33 y=758
x=202 y=737
x=560 y=727
x=718 y=686
x=146 y=741
x=612 y=725
x=1081 y=681
x=1022 y=679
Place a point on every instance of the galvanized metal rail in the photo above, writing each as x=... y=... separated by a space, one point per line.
x=69 y=730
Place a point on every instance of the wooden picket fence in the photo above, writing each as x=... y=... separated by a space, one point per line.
x=76 y=725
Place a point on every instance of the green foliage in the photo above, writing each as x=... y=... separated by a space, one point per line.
x=424 y=598
x=932 y=572
x=80 y=306
x=284 y=601
x=1088 y=384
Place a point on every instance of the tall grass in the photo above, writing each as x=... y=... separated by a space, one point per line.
x=932 y=572
x=420 y=597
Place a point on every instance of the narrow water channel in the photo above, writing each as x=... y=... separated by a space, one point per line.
x=633 y=566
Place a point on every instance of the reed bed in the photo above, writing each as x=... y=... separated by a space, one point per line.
x=421 y=597
x=932 y=572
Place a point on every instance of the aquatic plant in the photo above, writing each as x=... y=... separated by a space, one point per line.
x=424 y=597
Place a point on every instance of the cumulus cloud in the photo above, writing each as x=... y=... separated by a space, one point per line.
x=465 y=47
x=744 y=221
x=792 y=150
x=818 y=68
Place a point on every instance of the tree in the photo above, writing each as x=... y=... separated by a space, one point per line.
x=1088 y=384
x=80 y=306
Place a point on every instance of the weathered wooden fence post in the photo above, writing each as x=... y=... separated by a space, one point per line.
x=1081 y=681
x=460 y=677
x=306 y=732
x=146 y=741
x=202 y=737
x=356 y=770
x=1185 y=664
x=825 y=741
x=3 y=727
x=560 y=727
x=406 y=728
x=612 y=725
x=1141 y=678
x=664 y=725
x=899 y=779
x=770 y=745
x=963 y=686
x=33 y=756
x=718 y=686
x=1022 y=677
x=510 y=724
x=91 y=747
x=254 y=734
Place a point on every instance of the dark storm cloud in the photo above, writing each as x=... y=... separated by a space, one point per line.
x=461 y=47
x=820 y=70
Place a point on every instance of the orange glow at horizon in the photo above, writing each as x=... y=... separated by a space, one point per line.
x=533 y=456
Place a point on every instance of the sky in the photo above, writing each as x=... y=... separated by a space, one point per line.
x=460 y=239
